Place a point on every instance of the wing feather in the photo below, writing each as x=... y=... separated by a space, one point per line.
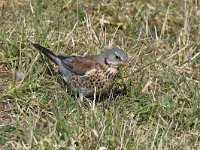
x=81 y=65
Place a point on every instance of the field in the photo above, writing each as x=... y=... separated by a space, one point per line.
x=157 y=102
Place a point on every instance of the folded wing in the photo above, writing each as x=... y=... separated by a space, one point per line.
x=81 y=65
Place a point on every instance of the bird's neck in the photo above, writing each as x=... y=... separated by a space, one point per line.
x=110 y=72
x=100 y=58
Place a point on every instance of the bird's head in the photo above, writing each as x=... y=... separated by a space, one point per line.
x=116 y=57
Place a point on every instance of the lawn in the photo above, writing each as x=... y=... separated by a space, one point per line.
x=158 y=104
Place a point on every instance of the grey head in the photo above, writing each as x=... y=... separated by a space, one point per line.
x=114 y=57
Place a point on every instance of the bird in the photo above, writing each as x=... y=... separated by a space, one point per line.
x=88 y=74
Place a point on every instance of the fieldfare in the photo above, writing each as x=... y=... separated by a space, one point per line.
x=89 y=74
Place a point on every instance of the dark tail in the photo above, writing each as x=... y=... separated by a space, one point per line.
x=47 y=52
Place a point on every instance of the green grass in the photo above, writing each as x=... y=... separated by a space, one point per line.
x=160 y=108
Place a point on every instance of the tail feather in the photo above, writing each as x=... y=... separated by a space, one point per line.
x=48 y=53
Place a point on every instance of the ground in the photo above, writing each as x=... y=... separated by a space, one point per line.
x=157 y=103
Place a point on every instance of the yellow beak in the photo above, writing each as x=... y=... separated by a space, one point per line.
x=125 y=63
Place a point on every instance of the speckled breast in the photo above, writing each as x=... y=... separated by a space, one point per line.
x=101 y=81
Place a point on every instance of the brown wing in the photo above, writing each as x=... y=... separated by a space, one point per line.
x=80 y=65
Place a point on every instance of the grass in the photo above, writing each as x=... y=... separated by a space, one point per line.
x=160 y=108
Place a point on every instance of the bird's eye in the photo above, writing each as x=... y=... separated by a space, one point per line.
x=117 y=57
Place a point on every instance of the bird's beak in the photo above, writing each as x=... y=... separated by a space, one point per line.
x=125 y=63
